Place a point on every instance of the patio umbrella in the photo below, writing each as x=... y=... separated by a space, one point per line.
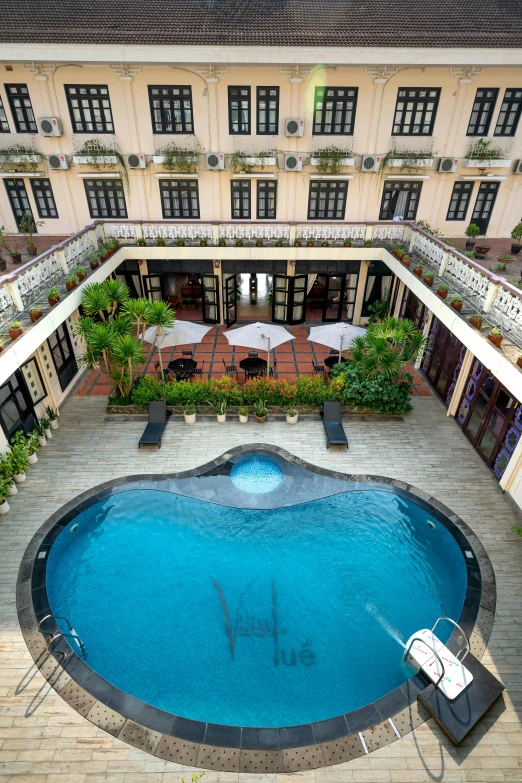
x=335 y=335
x=182 y=333
x=261 y=336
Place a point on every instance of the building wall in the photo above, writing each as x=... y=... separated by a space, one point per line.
x=372 y=134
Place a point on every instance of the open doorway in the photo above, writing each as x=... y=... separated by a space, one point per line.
x=254 y=296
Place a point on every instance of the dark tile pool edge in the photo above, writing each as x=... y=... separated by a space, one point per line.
x=232 y=748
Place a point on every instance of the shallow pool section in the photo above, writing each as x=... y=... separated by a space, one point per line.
x=254 y=617
x=257 y=475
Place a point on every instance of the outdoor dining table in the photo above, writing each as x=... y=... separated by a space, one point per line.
x=253 y=365
x=183 y=368
x=331 y=361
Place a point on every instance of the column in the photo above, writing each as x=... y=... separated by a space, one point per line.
x=461 y=383
x=361 y=287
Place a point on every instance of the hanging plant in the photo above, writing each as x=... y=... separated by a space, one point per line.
x=180 y=159
x=100 y=157
x=330 y=160
x=19 y=157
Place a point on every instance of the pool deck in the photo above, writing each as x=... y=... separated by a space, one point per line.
x=44 y=740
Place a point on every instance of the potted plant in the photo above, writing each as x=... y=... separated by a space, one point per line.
x=114 y=243
x=161 y=241
x=53 y=295
x=243 y=414
x=93 y=260
x=396 y=249
x=259 y=241
x=203 y=242
x=406 y=259
x=482 y=249
x=517 y=235
x=17 y=457
x=442 y=290
x=222 y=242
x=261 y=411
x=417 y=270
x=324 y=243
x=239 y=243
x=519 y=360
x=4 y=248
x=27 y=226
x=35 y=313
x=81 y=273
x=71 y=281
x=279 y=242
x=471 y=232
x=219 y=405
x=15 y=329
x=39 y=432
x=456 y=303
x=476 y=320
x=2 y=343
x=16 y=258
x=4 y=493
x=52 y=415
x=504 y=258
x=180 y=242
x=292 y=414
x=32 y=447
x=367 y=243
x=190 y=413
x=46 y=427
x=309 y=242
x=495 y=336
x=429 y=278
x=347 y=242
x=297 y=242
x=141 y=242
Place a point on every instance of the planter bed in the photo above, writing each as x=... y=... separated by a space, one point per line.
x=138 y=412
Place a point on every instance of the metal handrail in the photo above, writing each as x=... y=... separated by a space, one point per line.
x=463 y=632
x=418 y=639
x=71 y=635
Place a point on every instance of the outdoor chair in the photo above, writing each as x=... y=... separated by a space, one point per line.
x=199 y=370
x=165 y=375
x=153 y=432
x=318 y=369
x=335 y=434
x=230 y=369
x=186 y=353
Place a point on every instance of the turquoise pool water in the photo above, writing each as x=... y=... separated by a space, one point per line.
x=257 y=475
x=254 y=618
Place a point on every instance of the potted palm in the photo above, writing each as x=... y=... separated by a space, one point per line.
x=292 y=414
x=495 y=336
x=442 y=290
x=429 y=278
x=35 y=313
x=261 y=411
x=53 y=295
x=243 y=414
x=71 y=281
x=81 y=273
x=516 y=234
x=476 y=320
x=15 y=329
x=190 y=413
x=456 y=303
x=46 y=427
x=219 y=405
x=52 y=415
x=39 y=432
x=471 y=232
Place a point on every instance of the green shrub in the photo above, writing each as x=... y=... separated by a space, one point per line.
x=378 y=394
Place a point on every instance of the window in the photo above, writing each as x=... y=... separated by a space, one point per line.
x=267 y=111
x=460 y=199
x=21 y=109
x=63 y=355
x=240 y=190
x=334 y=110
x=509 y=113
x=179 y=198
x=43 y=196
x=266 y=199
x=106 y=198
x=17 y=396
x=239 y=111
x=18 y=198
x=482 y=112
x=90 y=108
x=400 y=200
x=171 y=109
x=327 y=200
x=4 y=125
x=415 y=111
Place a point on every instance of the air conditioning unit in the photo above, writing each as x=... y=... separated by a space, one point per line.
x=370 y=163
x=57 y=162
x=136 y=161
x=448 y=164
x=518 y=167
x=50 y=126
x=294 y=161
x=215 y=160
x=294 y=126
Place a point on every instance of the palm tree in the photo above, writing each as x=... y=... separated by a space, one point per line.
x=137 y=310
x=117 y=292
x=160 y=315
x=128 y=353
x=386 y=348
x=96 y=300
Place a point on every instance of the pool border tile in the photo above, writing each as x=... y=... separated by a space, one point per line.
x=233 y=748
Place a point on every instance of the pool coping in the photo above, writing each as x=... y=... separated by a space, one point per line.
x=236 y=748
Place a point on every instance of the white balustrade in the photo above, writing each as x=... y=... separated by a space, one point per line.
x=388 y=232
x=77 y=249
x=509 y=305
x=120 y=230
x=251 y=231
x=177 y=230
x=428 y=248
x=45 y=271
x=6 y=300
x=332 y=232
x=471 y=278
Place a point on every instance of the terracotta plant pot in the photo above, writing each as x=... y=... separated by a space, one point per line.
x=519 y=361
x=70 y=286
x=222 y=243
x=324 y=244
x=94 y=265
x=104 y=256
x=482 y=249
x=260 y=419
x=496 y=339
x=14 y=333
x=476 y=322
x=457 y=306
x=347 y=243
x=110 y=251
x=53 y=300
x=417 y=270
x=81 y=276
x=16 y=258
x=279 y=243
x=505 y=260
x=259 y=243
x=297 y=243
x=442 y=294
x=32 y=250
x=140 y=244
x=180 y=243
x=406 y=260
x=428 y=280
x=203 y=243
x=400 y=254
x=35 y=316
x=367 y=243
x=309 y=243
x=239 y=243
x=161 y=243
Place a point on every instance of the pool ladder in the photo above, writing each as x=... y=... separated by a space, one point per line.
x=71 y=634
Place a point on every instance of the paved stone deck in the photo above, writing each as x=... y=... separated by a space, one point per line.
x=43 y=740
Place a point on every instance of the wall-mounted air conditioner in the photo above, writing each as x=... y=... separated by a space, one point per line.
x=136 y=161
x=50 y=126
x=215 y=160
x=294 y=126
x=448 y=165
x=370 y=163
x=57 y=162
x=294 y=161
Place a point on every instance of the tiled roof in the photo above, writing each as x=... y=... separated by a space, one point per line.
x=369 y=23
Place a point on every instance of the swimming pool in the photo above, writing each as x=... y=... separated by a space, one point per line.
x=254 y=617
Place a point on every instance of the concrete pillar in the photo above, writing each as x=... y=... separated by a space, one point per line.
x=361 y=287
x=398 y=302
x=425 y=333
x=16 y=295
x=61 y=259
x=443 y=263
x=490 y=296
x=513 y=467
x=461 y=383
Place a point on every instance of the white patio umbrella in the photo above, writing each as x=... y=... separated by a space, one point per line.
x=335 y=335
x=261 y=336
x=182 y=333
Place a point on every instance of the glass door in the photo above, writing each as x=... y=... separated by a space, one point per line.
x=16 y=404
x=352 y=281
x=444 y=359
x=280 y=295
x=484 y=205
x=63 y=355
x=210 y=290
x=334 y=298
x=230 y=299
x=18 y=199
x=154 y=287
x=298 y=286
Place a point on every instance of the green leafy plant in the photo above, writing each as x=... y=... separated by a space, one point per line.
x=35 y=309
x=189 y=409
x=53 y=292
x=472 y=231
x=95 y=153
x=425 y=226
x=218 y=403
x=81 y=270
x=505 y=258
x=380 y=309
x=51 y=413
x=470 y=254
x=495 y=332
x=243 y=410
x=379 y=393
x=410 y=158
x=456 y=298
x=27 y=226
x=483 y=149
x=72 y=278
x=15 y=324
x=499 y=266
x=18 y=453
x=429 y=276
x=386 y=347
x=330 y=160
x=44 y=423
x=9 y=158
x=181 y=159
x=261 y=408
x=291 y=411
x=443 y=287
x=516 y=233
